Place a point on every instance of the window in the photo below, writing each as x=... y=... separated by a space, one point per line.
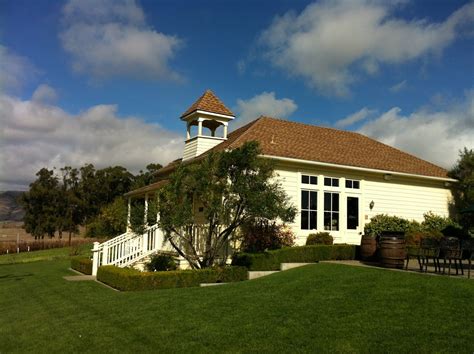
x=331 y=182
x=309 y=206
x=331 y=211
x=305 y=179
x=352 y=213
x=353 y=184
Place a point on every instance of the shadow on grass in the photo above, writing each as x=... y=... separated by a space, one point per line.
x=16 y=277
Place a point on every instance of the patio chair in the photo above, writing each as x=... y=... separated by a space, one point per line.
x=430 y=250
x=468 y=253
x=414 y=252
x=451 y=250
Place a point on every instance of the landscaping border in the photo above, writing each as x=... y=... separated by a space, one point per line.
x=129 y=279
x=271 y=260
x=81 y=264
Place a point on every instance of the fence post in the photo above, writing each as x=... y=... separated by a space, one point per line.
x=95 y=258
x=145 y=240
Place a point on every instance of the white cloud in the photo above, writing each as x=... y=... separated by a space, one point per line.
x=398 y=87
x=44 y=93
x=263 y=104
x=15 y=70
x=364 y=113
x=333 y=43
x=111 y=38
x=433 y=135
x=35 y=135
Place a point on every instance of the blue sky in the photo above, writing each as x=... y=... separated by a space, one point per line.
x=119 y=74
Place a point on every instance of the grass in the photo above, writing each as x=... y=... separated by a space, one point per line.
x=45 y=255
x=317 y=308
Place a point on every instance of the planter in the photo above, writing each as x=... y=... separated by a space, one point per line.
x=392 y=251
x=368 y=248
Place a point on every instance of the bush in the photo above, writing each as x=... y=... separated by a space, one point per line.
x=271 y=260
x=258 y=236
x=380 y=223
x=83 y=265
x=320 y=238
x=161 y=262
x=413 y=238
x=127 y=279
x=446 y=225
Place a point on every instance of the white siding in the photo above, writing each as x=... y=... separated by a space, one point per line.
x=196 y=146
x=405 y=197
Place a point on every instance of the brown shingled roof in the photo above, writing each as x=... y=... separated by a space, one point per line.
x=210 y=103
x=283 y=138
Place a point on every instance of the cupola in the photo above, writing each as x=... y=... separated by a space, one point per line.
x=208 y=114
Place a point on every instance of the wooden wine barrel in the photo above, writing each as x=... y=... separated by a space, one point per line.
x=392 y=251
x=368 y=248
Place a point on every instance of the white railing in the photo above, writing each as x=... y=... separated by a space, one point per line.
x=127 y=248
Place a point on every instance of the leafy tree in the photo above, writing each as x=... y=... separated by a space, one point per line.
x=222 y=192
x=99 y=188
x=40 y=204
x=69 y=207
x=147 y=177
x=463 y=192
x=111 y=221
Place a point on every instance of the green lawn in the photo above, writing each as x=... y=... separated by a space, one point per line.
x=317 y=308
x=45 y=255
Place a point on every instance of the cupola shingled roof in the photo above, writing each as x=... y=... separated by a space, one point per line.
x=208 y=102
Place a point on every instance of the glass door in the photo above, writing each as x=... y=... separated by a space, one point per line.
x=353 y=214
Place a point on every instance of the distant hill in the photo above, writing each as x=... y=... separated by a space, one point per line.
x=10 y=209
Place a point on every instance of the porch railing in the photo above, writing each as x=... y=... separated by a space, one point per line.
x=127 y=248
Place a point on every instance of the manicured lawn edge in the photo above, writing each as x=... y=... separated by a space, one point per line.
x=127 y=279
x=82 y=264
x=271 y=260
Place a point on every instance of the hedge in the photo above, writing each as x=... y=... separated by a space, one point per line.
x=128 y=279
x=271 y=260
x=83 y=265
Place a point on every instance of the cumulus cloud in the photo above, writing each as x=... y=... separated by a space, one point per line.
x=398 y=87
x=110 y=38
x=364 y=113
x=333 y=43
x=435 y=135
x=263 y=104
x=35 y=135
x=15 y=70
x=44 y=93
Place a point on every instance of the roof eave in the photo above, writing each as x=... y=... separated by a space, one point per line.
x=363 y=169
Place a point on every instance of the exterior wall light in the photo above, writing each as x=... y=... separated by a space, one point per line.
x=387 y=176
x=371 y=205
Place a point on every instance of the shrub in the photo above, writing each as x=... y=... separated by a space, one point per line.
x=258 y=236
x=83 y=265
x=320 y=238
x=161 y=262
x=380 y=223
x=447 y=226
x=271 y=260
x=127 y=279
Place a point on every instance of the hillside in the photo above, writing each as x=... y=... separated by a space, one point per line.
x=10 y=209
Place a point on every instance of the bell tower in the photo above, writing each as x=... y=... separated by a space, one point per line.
x=208 y=114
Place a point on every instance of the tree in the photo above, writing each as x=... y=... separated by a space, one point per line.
x=40 y=204
x=147 y=177
x=223 y=191
x=463 y=191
